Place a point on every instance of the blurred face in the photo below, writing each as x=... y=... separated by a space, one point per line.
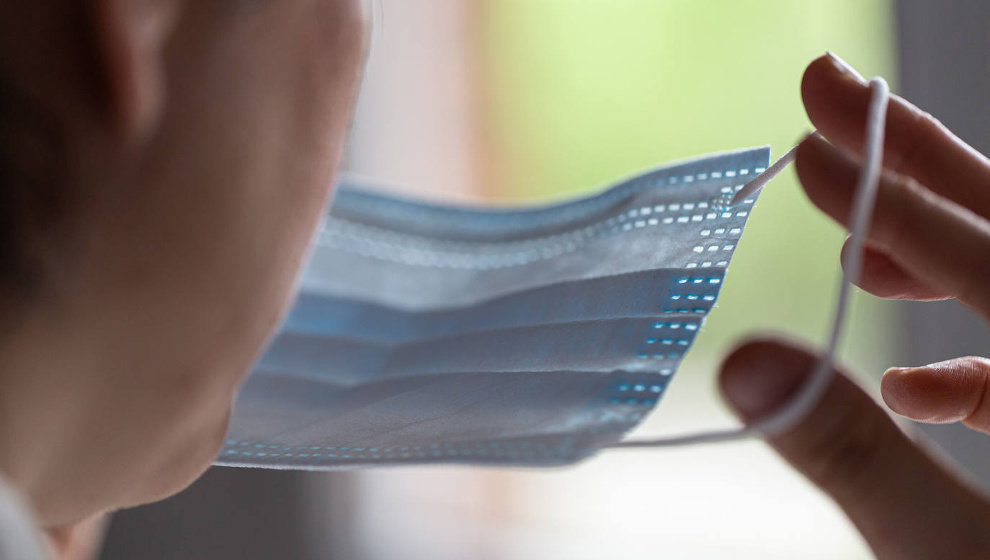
x=187 y=243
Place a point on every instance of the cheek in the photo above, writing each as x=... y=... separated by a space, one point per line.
x=321 y=74
x=321 y=81
x=328 y=66
x=305 y=98
x=283 y=95
x=316 y=68
x=209 y=245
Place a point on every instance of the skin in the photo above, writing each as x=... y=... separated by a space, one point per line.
x=929 y=240
x=200 y=144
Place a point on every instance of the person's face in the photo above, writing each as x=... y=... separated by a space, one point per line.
x=186 y=268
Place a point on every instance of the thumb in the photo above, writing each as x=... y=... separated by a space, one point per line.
x=903 y=503
x=950 y=391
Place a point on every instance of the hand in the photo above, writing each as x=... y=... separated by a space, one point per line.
x=929 y=240
x=930 y=235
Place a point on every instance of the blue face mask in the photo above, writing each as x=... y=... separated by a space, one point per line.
x=430 y=334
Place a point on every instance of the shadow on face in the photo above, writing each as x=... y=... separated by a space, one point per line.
x=196 y=144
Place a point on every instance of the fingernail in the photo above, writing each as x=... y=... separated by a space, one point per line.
x=813 y=134
x=891 y=389
x=844 y=67
x=905 y=371
x=932 y=366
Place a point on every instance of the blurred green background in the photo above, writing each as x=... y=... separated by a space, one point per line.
x=581 y=92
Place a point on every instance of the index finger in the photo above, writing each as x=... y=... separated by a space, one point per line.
x=917 y=145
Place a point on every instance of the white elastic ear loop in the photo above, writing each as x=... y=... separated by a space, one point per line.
x=814 y=388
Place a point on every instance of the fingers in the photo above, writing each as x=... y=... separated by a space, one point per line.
x=883 y=277
x=937 y=241
x=951 y=391
x=902 y=502
x=916 y=144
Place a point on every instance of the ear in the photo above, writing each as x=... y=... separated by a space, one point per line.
x=130 y=40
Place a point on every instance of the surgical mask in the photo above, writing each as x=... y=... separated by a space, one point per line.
x=532 y=337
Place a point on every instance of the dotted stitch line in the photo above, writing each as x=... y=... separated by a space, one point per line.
x=396 y=250
x=676 y=297
x=707 y=264
x=509 y=450
x=342 y=226
x=253 y=449
x=496 y=449
x=610 y=421
x=653 y=340
x=391 y=208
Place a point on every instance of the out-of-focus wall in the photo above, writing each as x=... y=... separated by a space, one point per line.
x=417 y=125
x=945 y=69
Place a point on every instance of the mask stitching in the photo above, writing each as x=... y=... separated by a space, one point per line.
x=626 y=221
x=814 y=387
x=397 y=251
x=509 y=449
x=637 y=394
x=647 y=180
x=617 y=192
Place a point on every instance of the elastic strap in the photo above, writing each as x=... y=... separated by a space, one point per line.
x=814 y=388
